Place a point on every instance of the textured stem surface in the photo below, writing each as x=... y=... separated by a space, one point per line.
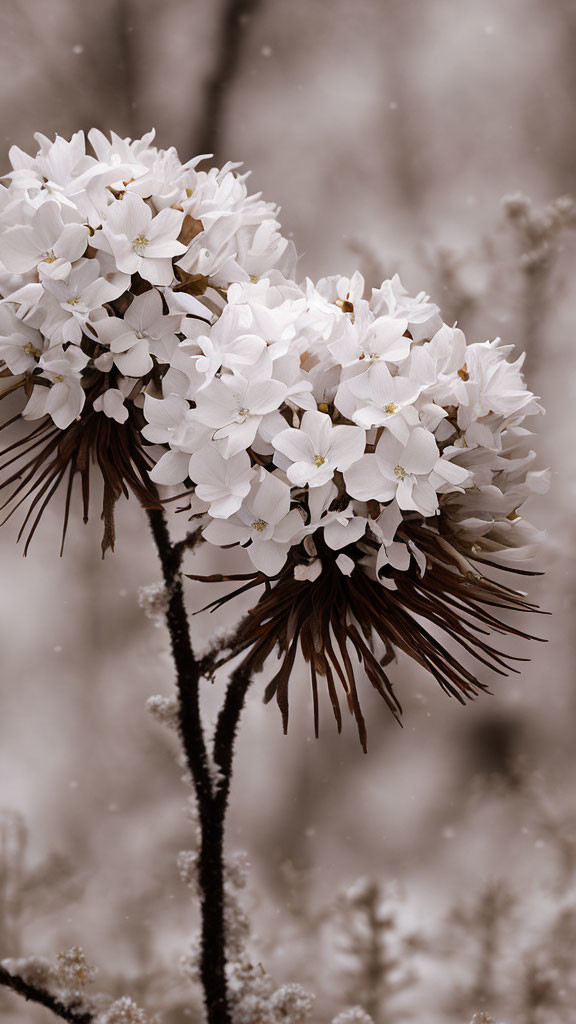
x=211 y=810
x=39 y=995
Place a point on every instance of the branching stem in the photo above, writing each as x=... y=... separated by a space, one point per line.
x=211 y=792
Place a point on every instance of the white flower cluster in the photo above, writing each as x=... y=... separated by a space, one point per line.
x=305 y=417
x=122 y=1011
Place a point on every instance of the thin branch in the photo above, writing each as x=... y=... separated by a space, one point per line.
x=126 y=67
x=189 y=542
x=227 y=60
x=211 y=811
x=226 y=729
x=187 y=669
x=35 y=994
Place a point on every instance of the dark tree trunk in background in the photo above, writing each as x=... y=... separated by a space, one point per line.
x=235 y=17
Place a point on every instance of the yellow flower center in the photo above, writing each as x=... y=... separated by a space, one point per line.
x=391 y=408
x=319 y=460
x=253 y=279
x=399 y=472
x=49 y=256
x=260 y=525
x=374 y=355
x=58 y=378
x=74 y=301
x=243 y=411
x=31 y=350
x=463 y=373
x=140 y=242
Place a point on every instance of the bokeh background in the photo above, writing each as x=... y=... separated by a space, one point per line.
x=436 y=875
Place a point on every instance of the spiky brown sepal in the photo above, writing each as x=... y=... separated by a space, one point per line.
x=45 y=458
x=335 y=617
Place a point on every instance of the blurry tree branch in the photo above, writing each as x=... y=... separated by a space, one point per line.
x=235 y=16
x=109 y=53
x=537 y=231
x=126 y=60
x=36 y=994
x=402 y=126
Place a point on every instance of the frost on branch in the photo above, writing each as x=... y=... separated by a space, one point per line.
x=153 y=600
x=370 y=461
x=70 y=973
x=123 y=1011
x=370 y=950
x=254 y=997
x=38 y=971
x=164 y=710
x=354 y=1015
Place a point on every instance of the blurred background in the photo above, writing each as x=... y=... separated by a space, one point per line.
x=434 y=877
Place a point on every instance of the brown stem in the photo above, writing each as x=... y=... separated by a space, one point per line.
x=211 y=810
x=226 y=729
x=35 y=994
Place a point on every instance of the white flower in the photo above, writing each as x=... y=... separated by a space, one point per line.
x=273 y=308
x=20 y=345
x=52 y=240
x=141 y=243
x=73 y=300
x=318 y=448
x=265 y=520
x=410 y=472
x=64 y=400
x=170 y=421
x=234 y=406
x=376 y=397
x=111 y=403
x=222 y=482
x=341 y=526
x=421 y=314
x=227 y=346
x=495 y=384
x=144 y=330
x=383 y=338
x=117 y=152
x=128 y=352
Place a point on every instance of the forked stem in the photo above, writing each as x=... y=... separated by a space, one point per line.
x=211 y=792
x=211 y=856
